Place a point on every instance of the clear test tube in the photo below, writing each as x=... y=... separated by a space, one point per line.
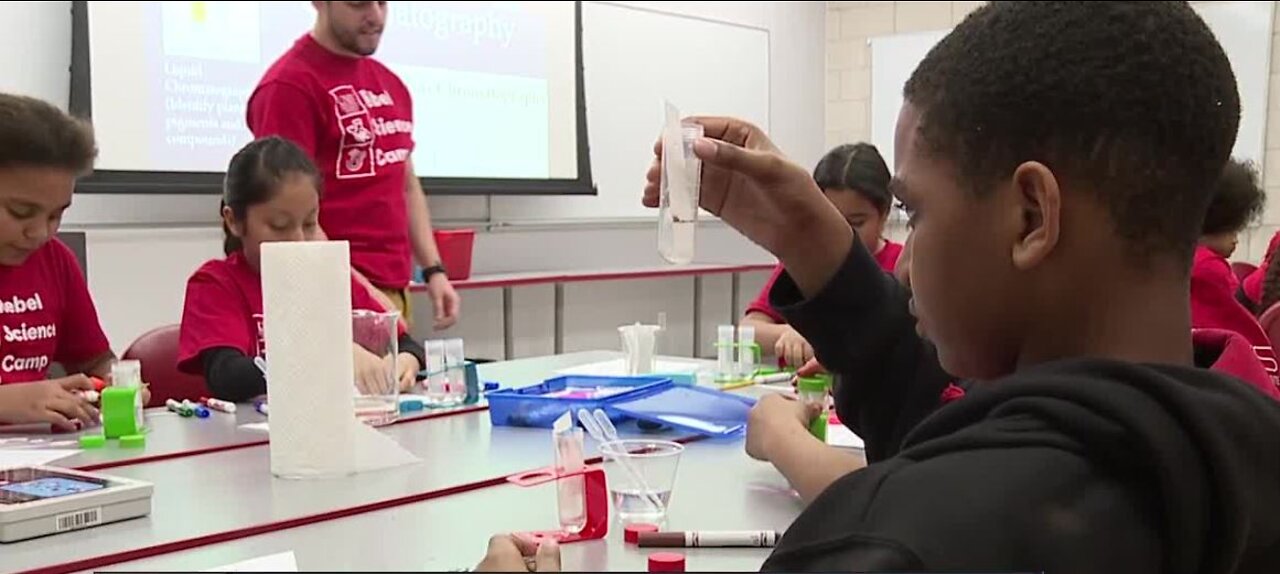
x=724 y=353
x=437 y=378
x=570 y=495
x=455 y=363
x=679 y=189
x=746 y=351
x=127 y=374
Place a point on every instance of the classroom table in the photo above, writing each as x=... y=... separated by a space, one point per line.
x=230 y=494
x=170 y=435
x=717 y=488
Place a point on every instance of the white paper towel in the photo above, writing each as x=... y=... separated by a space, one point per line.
x=306 y=304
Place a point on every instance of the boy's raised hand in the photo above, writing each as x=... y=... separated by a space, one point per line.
x=750 y=185
x=55 y=402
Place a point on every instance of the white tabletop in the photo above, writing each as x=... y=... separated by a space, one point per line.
x=718 y=488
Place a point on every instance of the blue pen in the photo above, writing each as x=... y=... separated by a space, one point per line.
x=261 y=408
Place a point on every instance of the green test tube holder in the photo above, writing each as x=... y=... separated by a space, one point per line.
x=119 y=412
x=756 y=352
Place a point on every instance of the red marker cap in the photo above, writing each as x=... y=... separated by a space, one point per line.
x=98 y=384
x=631 y=534
x=666 y=562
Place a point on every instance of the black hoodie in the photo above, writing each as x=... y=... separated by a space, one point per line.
x=1080 y=465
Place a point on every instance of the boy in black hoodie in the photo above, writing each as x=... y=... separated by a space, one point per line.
x=1057 y=159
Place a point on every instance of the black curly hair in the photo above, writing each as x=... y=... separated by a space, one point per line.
x=1238 y=200
x=1134 y=101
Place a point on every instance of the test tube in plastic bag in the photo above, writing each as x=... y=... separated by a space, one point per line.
x=679 y=183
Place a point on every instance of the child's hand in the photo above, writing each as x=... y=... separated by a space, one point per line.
x=792 y=348
x=509 y=553
x=407 y=368
x=811 y=368
x=372 y=376
x=773 y=418
x=54 y=402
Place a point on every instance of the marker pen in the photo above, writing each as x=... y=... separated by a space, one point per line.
x=177 y=407
x=219 y=405
x=709 y=539
x=89 y=396
x=773 y=378
x=198 y=409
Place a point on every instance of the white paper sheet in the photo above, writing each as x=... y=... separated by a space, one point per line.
x=19 y=457
x=840 y=436
x=282 y=562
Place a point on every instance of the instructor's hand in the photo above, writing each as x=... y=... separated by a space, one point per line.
x=444 y=300
x=751 y=186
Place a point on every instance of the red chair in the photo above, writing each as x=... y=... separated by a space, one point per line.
x=1242 y=269
x=157 y=349
x=1270 y=322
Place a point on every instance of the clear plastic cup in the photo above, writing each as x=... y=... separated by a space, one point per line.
x=639 y=344
x=641 y=474
x=376 y=348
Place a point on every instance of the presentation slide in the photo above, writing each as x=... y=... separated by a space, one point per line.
x=493 y=83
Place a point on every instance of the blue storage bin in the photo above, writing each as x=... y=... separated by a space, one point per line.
x=540 y=405
x=694 y=409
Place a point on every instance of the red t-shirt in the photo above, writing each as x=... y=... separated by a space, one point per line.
x=1214 y=306
x=224 y=309
x=355 y=118
x=1253 y=283
x=887 y=257
x=46 y=315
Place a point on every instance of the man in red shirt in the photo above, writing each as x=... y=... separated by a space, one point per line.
x=355 y=118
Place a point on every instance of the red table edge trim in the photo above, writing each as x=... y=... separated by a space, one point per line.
x=240 y=445
x=249 y=531
x=236 y=534
x=588 y=276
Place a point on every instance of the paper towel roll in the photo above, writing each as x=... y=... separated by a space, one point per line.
x=306 y=304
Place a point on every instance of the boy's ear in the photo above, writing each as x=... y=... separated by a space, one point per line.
x=1040 y=200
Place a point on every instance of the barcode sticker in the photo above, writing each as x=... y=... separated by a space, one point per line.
x=78 y=520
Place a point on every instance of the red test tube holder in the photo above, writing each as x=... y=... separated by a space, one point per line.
x=595 y=492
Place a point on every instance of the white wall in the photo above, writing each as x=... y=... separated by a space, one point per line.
x=142 y=248
x=848 y=88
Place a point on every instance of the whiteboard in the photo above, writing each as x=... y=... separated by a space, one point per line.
x=633 y=59
x=1243 y=29
x=893 y=59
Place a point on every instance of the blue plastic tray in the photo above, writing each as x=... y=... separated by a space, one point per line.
x=694 y=409
x=532 y=407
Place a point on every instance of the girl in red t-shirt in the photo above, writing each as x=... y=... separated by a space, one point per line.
x=855 y=179
x=1237 y=200
x=272 y=193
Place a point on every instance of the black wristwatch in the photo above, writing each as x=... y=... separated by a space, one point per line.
x=427 y=272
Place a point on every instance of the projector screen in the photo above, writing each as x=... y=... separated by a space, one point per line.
x=496 y=87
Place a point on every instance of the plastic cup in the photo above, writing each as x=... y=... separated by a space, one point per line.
x=377 y=348
x=639 y=343
x=640 y=473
